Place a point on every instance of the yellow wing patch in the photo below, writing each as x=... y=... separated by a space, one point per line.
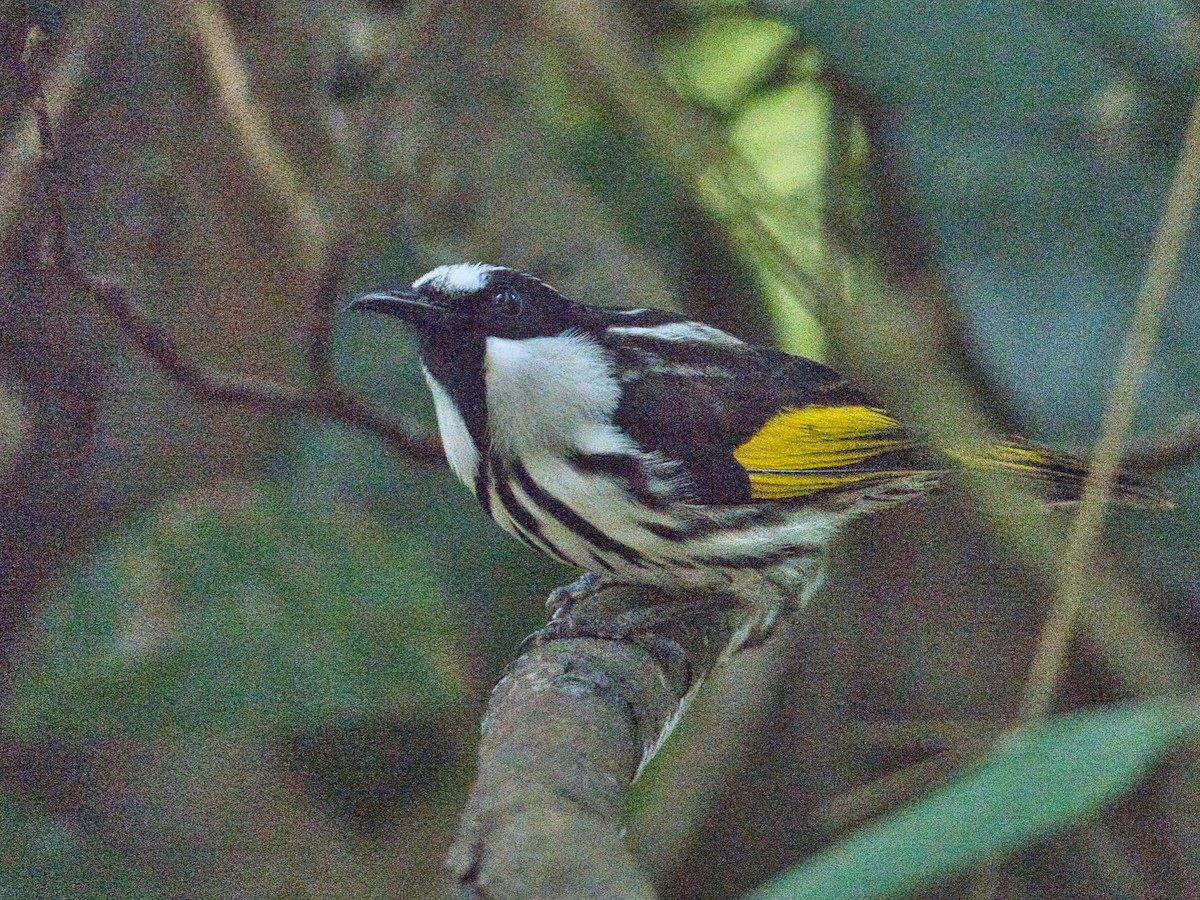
x=799 y=451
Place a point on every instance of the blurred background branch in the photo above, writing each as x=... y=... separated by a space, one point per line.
x=211 y=30
x=324 y=398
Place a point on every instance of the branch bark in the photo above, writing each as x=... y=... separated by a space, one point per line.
x=322 y=398
x=565 y=734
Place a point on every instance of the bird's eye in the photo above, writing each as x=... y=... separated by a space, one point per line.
x=509 y=303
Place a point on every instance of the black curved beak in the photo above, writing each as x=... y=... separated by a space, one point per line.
x=403 y=304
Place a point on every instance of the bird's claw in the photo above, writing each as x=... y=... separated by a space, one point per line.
x=557 y=629
x=561 y=599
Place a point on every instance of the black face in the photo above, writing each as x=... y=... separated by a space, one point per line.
x=454 y=309
x=515 y=305
x=509 y=304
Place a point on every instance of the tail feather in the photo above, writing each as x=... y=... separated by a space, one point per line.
x=1060 y=475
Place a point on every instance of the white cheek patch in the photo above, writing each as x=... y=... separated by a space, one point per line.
x=461 y=451
x=547 y=393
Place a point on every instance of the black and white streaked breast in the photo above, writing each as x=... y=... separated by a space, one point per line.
x=556 y=459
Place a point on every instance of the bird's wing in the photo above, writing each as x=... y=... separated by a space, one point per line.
x=748 y=424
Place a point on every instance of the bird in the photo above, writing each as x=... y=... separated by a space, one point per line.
x=647 y=448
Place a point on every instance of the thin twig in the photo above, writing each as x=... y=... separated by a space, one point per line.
x=1161 y=275
x=324 y=400
x=207 y=24
x=325 y=302
x=22 y=157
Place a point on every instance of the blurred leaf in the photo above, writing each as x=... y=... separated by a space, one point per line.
x=1032 y=785
x=724 y=58
x=238 y=609
x=784 y=134
x=979 y=60
x=40 y=858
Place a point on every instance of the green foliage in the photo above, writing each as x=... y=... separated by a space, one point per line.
x=238 y=609
x=1032 y=785
x=1036 y=156
x=775 y=119
x=722 y=59
x=40 y=858
x=784 y=135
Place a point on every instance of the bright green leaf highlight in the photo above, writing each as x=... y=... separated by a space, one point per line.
x=784 y=135
x=781 y=133
x=238 y=609
x=723 y=59
x=796 y=329
x=1032 y=785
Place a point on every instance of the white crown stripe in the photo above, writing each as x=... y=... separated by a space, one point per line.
x=460 y=278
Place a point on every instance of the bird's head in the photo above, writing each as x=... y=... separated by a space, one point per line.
x=478 y=299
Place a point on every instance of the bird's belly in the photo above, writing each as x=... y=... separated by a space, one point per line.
x=584 y=520
x=594 y=523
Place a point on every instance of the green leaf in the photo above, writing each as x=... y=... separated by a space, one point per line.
x=1032 y=785
x=722 y=59
x=238 y=609
x=784 y=135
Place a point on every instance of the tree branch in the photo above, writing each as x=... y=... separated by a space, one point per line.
x=323 y=399
x=565 y=734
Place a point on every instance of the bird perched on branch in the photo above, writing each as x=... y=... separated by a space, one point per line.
x=650 y=449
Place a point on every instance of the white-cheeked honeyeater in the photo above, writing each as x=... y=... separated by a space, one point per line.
x=650 y=449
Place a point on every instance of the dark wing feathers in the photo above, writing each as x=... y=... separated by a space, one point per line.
x=692 y=419
x=748 y=423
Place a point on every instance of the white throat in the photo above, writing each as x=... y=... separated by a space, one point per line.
x=548 y=393
x=461 y=452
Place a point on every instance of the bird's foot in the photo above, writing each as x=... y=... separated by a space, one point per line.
x=561 y=599
x=650 y=626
